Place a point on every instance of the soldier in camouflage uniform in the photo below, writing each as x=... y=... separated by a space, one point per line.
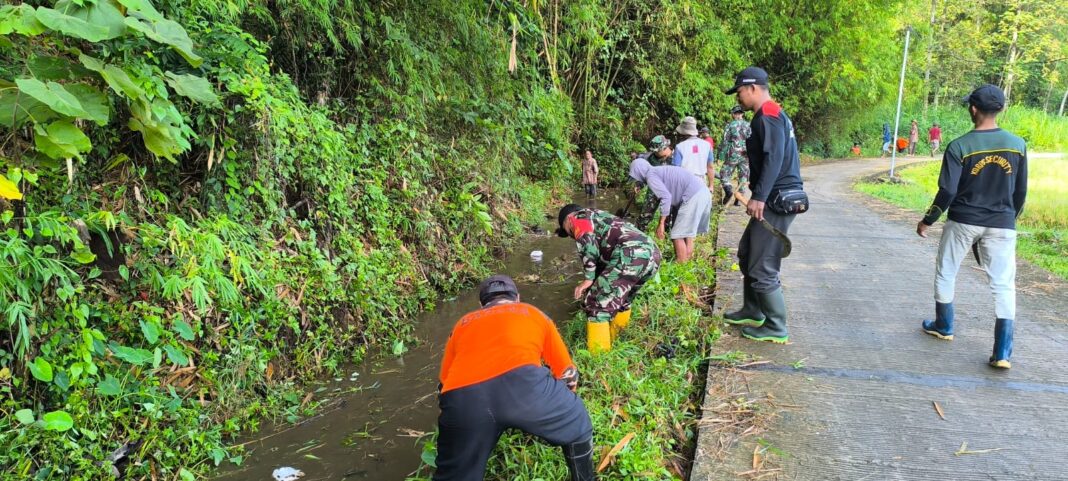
x=617 y=260
x=732 y=153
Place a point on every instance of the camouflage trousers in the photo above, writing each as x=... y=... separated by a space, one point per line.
x=616 y=284
x=739 y=164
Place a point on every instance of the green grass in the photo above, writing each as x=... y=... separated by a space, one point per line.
x=1043 y=226
x=631 y=389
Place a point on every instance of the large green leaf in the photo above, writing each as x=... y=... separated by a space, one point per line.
x=132 y=355
x=142 y=7
x=61 y=140
x=116 y=78
x=47 y=67
x=151 y=331
x=17 y=108
x=71 y=26
x=93 y=101
x=21 y=19
x=57 y=421
x=24 y=416
x=176 y=356
x=193 y=87
x=161 y=127
x=41 y=369
x=170 y=33
x=54 y=95
x=103 y=13
x=184 y=330
x=109 y=386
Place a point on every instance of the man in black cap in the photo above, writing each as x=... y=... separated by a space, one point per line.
x=983 y=185
x=732 y=153
x=494 y=377
x=775 y=177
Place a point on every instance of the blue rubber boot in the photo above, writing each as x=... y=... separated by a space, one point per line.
x=1002 y=344
x=942 y=326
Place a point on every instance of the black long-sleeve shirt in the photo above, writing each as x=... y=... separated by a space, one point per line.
x=983 y=180
x=774 y=163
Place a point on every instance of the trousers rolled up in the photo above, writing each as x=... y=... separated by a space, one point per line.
x=760 y=252
x=997 y=250
x=527 y=398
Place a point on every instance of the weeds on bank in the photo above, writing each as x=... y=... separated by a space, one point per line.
x=1043 y=226
x=648 y=388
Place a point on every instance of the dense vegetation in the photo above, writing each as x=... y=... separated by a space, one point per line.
x=203 y=202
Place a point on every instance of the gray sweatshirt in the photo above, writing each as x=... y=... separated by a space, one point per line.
x=672 y=185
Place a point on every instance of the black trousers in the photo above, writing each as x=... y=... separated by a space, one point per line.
x=760 y=252
x=591 y=189
x=527 y=398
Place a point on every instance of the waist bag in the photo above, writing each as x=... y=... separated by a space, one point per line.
x=792 y=201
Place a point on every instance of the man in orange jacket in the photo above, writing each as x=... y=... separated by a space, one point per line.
x=493 y=379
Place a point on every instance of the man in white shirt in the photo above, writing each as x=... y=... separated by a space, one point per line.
x=694 y=154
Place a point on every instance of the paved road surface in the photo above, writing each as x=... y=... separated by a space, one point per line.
x=857 y=285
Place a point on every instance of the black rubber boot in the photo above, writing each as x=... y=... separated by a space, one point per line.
x=750 y=313
x=728 y=193
x=1002 y=344
x=942 y=325
x=579 y=458
x=773 y=304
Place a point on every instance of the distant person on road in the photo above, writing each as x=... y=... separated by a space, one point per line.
x=617 y=260
x=674 y=188
x=775 y=166
x=983 y=185
x=506 y=367
x=887 y=137
x=589 y=174
x=694 y=154
x=934 y=135
x=855 y=150
x=733 y=154
x=914 y=137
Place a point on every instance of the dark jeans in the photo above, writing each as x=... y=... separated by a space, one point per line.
x=760 y=252
x=527 y=398
x=591 y=189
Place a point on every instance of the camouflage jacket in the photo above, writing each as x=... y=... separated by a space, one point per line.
x=733 y=145
x=599 y=235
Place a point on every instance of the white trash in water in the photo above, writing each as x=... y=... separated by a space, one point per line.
x=287 y=474
x=536 y=255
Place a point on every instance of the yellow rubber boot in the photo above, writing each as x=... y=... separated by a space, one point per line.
x=598 y=337
x=619 y=322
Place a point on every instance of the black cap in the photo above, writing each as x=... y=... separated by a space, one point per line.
x=564 y=212
x=986 y=98
x=737 y=109
x=749 y=76
x=496 y=284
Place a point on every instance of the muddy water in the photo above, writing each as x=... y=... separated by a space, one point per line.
x=373 y=428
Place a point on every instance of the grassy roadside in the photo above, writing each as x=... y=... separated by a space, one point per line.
x=1043 y=226
x=637 y=397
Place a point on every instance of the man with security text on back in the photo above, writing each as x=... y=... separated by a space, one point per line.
x=983 y=184
x=777 y=197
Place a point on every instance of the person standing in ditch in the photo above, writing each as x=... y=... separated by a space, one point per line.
x=617 y=260
x=676 y=187
x=732 y=153
x=775 y=167
x=983 y=185
x=492 y=379
x=589 y=174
